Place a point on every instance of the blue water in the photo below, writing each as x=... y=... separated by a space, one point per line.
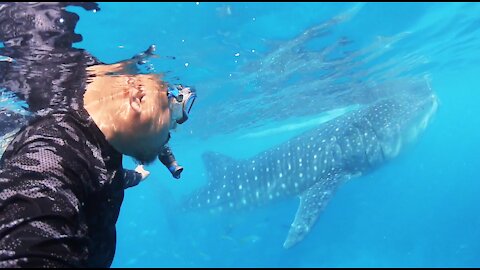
x=248 y=62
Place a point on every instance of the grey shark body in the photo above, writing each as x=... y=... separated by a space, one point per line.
x=314 y=164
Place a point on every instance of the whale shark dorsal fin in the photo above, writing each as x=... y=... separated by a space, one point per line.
x=216 y=165
x=312 y=202
x=211 y=194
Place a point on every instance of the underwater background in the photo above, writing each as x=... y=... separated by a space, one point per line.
x=264 y=72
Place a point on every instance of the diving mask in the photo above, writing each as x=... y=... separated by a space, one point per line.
x=181 y=102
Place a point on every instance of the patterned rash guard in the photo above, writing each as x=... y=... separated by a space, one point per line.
x=61 y=188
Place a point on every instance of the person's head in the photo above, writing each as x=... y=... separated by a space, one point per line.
x=132 y=111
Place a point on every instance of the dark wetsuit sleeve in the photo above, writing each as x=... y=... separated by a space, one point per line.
x=42 y=214
x=131 y=178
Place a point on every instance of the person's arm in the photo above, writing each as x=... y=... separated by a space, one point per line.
x=42 y=195
x=132 y=178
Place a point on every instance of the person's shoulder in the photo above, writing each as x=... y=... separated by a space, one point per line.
x=64 y=128
x=52 y=118
x=55 y=136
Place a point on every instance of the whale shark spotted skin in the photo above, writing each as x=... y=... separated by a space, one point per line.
x=314 y=164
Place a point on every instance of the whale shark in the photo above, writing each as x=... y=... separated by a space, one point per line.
x=314 y=164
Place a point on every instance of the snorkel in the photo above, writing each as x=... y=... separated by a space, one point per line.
x=181 y=101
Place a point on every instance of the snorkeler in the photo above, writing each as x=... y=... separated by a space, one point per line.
x=62 y=179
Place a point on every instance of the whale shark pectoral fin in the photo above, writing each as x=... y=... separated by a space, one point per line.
x=312 y=202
